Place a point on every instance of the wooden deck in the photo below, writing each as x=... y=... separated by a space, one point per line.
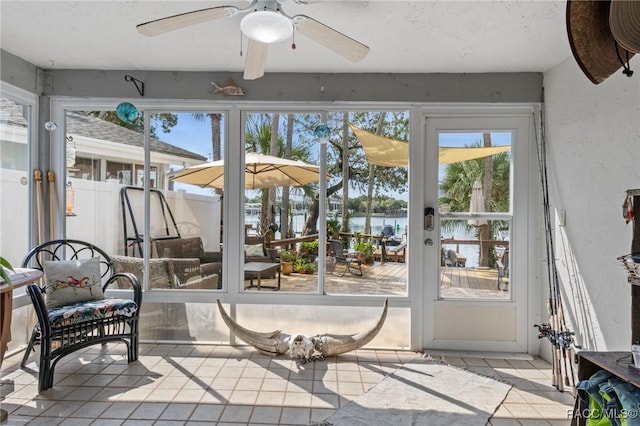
x=391 y=278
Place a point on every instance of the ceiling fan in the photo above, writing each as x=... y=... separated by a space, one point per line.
x=264 y=23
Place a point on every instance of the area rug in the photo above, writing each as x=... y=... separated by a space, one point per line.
x=424 y=392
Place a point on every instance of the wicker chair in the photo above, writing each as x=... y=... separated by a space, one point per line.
x=210 y=262
x=65 y=329
x=165 y=273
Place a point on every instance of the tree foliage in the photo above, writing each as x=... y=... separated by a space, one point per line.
x=165 y=120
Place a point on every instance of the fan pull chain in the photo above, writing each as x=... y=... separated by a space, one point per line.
x=293 y=41
x=240 y=43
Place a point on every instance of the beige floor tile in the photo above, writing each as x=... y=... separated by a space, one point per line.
x=325 y=401
x=553 y=411
x=189 y=396
x=207 y=412
x=270 y=398
x=224 y=383
x=277 y=384
x=522 y=411
x=162 y=395
x=243 y=397
x=350 y=388
x=266 y=415
x=236 y=413
x=178 y=411
x=297 y=399
x=174 y=384
x=148 y=411
x=295 y=416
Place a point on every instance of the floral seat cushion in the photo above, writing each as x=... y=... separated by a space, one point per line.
x=91 y=310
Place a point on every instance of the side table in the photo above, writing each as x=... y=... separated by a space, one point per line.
x=257 y=269
x=19 y=278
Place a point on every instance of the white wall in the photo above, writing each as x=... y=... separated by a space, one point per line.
x=593 y=147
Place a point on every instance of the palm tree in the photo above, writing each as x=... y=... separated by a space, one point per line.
x=262 y=136
x=456 y=189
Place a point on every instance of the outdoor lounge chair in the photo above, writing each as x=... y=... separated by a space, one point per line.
x=347 y=259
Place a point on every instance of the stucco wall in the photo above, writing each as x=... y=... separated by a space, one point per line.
x=593 y=146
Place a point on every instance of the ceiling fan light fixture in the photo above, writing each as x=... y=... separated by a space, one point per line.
x=266 y=26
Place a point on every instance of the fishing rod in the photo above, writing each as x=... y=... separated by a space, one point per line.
x=556 y=330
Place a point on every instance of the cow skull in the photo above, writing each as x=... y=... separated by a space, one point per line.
x=325 y=345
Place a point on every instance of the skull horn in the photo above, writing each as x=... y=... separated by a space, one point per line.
x=273 y=343
x=277 y=342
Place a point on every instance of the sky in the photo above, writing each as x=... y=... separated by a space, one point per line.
x=195 y=135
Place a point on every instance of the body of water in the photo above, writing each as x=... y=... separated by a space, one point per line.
x=399 y=224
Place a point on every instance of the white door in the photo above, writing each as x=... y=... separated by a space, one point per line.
x=477 y=255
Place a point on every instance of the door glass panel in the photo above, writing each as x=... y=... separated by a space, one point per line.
x=475 y=214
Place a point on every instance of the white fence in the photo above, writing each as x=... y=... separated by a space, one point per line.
x=99 y=217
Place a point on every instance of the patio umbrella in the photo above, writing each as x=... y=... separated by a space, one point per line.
x=394 y=153
x=477 y=206
x=260 y=171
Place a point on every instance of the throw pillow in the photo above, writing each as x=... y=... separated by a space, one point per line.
x=72 y=281
x=253 y=250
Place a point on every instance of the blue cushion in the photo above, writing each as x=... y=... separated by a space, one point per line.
x=87 y=311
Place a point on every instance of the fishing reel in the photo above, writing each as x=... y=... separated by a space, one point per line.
x=562 y=339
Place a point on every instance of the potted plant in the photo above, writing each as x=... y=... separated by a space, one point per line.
x=333 y=227
x=309 y=268
x=5 y=267
x=365 y=251
x=287 y=257
x=309 y=247
x=300 y=265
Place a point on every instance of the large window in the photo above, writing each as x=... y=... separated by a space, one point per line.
x=343 y=234
x=108 y=209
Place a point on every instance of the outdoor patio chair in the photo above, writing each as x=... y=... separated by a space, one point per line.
x=255 y=250
x=167 y=273
x=345 y=258
x=209 y=262
x=71 y=308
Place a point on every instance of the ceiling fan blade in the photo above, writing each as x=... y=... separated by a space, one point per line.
x=256 y=59
x=175 y=22
x=341 y=44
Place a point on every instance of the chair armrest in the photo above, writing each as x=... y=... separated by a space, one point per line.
x=126 y=277
x=273 y=255
x=214 y=268
x=210 y=282
x=211 y=257
x=185 y=268
x=39 y=306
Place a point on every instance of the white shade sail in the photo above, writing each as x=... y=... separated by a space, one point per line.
x=394 y=153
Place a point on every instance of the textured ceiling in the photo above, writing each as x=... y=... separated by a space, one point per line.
x=404 y=37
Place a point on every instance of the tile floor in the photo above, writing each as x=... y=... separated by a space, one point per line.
x=223 y=385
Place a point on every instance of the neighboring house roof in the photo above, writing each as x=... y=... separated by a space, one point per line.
x=96 y=128
x=11 y=113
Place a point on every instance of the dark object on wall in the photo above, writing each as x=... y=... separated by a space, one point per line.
x=595 y=49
